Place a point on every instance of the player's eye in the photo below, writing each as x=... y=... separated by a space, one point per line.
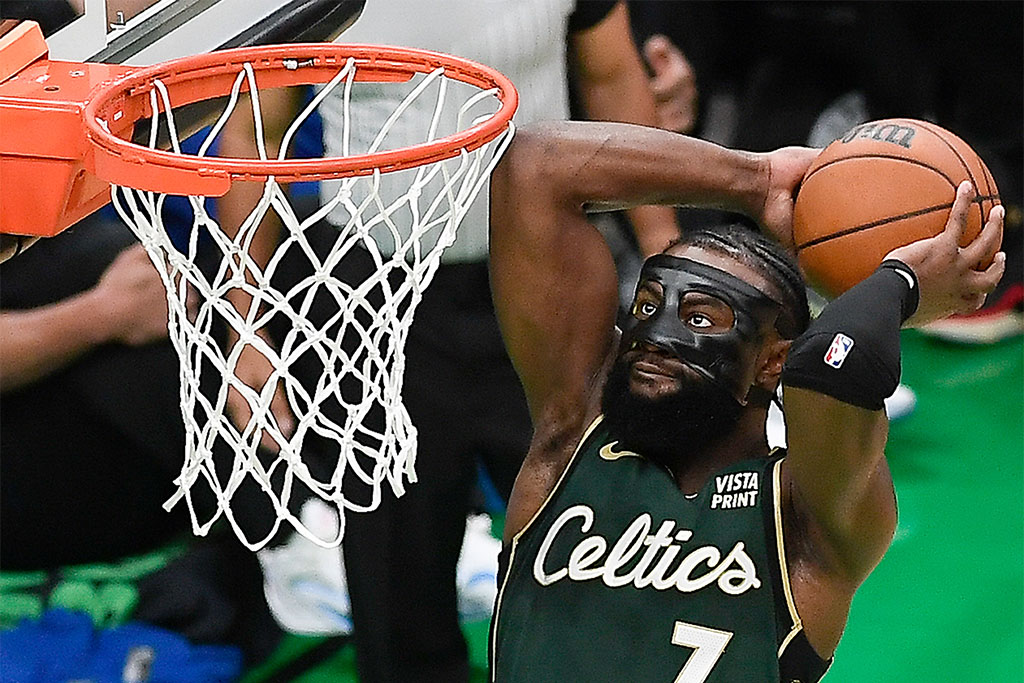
x=645 y=309
x=699 y=320
x=705 y=313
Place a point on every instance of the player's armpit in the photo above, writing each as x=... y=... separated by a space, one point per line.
x=558 y=432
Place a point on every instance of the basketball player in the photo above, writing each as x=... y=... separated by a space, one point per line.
x=651 y=534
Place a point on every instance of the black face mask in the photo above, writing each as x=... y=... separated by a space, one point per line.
x=718 y=356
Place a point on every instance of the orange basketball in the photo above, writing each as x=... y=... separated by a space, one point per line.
x=880 y=186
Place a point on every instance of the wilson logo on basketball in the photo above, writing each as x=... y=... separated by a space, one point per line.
x=885 y=132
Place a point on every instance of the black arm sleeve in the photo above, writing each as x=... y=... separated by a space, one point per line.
x=851 y=352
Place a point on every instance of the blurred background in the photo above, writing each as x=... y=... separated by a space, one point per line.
x=90 y=434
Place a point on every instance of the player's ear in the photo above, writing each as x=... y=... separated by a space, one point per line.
x=770 y=362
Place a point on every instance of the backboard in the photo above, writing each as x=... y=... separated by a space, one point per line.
x=142 y=32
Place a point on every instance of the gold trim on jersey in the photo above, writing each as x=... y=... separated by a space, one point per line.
x=515 y=539
x=780 y=546
x=497 y=608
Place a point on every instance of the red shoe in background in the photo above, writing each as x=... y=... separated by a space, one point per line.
x=997 y=320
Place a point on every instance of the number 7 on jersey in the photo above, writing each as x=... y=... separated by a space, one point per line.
x=708 y=645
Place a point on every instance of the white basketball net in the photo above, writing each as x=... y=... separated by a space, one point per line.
x=373 y=439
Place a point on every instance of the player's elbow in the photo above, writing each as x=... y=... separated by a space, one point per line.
x=529 y=161
x=525 y=185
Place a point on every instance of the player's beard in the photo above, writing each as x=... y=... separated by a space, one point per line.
x=670 y=429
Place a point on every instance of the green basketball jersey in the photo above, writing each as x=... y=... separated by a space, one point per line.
x=620 y=577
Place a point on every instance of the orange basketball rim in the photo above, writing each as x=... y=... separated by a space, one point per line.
x=66 y=127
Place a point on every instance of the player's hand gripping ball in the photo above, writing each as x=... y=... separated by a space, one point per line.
x=882 y=185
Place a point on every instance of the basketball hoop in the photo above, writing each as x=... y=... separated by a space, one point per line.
x=146 y=92
x=360 y=349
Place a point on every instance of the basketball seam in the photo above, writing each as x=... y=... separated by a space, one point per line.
x=881 y=156
x=990 y=183
x=890 y=219
x=963 y=162
x=987 y=174
x=984 y=176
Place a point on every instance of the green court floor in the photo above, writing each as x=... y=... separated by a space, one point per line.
x=947 y=602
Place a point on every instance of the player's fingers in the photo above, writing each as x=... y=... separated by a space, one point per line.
x=956 y=224
x=192 y=301
x=973 y=303
x=984 y=281
x=669 y=110
x=681 y=122
x=656 y=52
x=280 y=416
x=980 y=252
x=673 y=86
x=673 y=89
x=238 y=409
x=673 y=75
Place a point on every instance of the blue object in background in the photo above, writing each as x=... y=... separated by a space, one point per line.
x=177 y=210
x=64 y=646
x=308 y=144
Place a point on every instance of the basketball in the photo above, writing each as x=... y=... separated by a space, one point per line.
x=880 y=186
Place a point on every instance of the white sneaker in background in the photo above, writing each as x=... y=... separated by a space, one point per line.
x=307 y=592
x=838 y=117
x=901 y=403
x=304 y=583
x=476 y=576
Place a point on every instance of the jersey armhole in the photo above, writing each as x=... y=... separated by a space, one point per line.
x=797 y=659
x=561 y=480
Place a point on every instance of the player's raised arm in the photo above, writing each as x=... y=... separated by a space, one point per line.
x=836 y=484
x=553 y=278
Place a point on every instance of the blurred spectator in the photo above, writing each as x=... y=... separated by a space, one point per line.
x=765 y=72
x=91 y=438
x=89 y=401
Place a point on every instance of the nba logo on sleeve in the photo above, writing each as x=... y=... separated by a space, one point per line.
x=839 y=350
